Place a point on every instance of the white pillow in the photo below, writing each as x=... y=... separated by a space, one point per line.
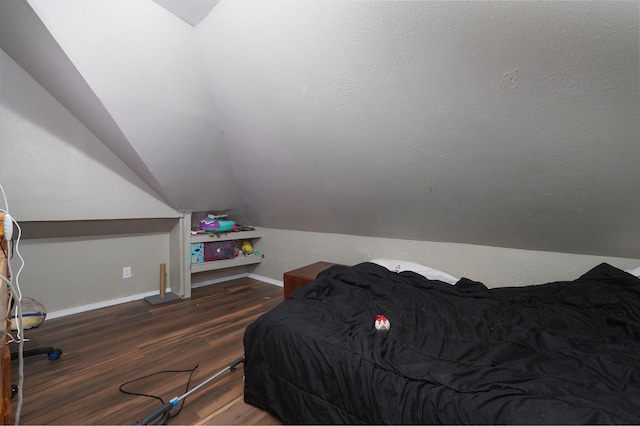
x=425 y=271
x=635 y=272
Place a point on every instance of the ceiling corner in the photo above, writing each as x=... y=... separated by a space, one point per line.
x=191 y=11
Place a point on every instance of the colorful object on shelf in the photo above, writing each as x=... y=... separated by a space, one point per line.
x=246 y=248
x=219 y=250
x=197 y=252
x=382 y=323
x=212 y=223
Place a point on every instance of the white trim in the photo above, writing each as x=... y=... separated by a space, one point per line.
x=112 y=302
x=219 y=280
x=98 y=305
x=234 y=277
x=266 y=280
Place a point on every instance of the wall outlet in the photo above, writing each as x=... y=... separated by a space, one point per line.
x=126 y=272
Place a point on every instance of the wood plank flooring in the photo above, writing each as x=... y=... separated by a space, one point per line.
x=105 y=348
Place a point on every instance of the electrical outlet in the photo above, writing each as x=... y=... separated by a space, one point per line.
x=126 y=272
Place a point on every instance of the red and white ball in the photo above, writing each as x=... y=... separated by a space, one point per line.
x=382 y=323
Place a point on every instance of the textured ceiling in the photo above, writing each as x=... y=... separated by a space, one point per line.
x=512 y=124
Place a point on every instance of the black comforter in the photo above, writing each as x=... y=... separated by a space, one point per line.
x=557 y=353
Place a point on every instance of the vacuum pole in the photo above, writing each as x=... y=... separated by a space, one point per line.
x=167 y=407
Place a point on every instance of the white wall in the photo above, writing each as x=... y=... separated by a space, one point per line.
x=146 y=67
x=53 y=169
x=495 y=267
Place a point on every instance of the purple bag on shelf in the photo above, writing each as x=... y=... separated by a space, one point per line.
x=219 y=250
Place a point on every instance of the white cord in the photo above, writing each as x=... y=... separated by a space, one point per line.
x=14 y=288
x=4 y=197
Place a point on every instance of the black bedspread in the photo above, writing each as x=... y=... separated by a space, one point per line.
x=557 y=353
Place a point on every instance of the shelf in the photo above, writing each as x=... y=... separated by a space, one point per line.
x=228 y=263
x=183 y=238
x=222 y=264
x=242 y=235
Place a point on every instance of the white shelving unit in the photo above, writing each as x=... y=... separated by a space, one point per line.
x=230 y=263
x=181 y=267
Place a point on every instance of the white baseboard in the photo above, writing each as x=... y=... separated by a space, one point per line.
x=266 y=280
x=233 y=277
x=98 y=305
x=219 y=280
x=112 y=302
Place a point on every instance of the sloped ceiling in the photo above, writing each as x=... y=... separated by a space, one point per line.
x=191 y=11
x=512 y=124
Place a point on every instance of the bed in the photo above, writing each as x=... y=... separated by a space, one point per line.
x=456 y=352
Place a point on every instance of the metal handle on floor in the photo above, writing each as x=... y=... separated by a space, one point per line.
x=166 y=408
x=162 y=411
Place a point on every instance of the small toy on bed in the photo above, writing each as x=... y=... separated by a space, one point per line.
x=382 y=323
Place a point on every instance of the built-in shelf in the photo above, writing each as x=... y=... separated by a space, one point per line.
x=222 y=264
x=181 y=268
x=242 y=235
x=227 y=263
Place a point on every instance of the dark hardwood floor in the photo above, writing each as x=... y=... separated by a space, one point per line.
x=105 y=348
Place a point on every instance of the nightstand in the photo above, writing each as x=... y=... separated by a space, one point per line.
x=301 y=276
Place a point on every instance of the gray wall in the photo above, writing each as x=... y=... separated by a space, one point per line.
x=496 y=267
x=506 y=124
x=67 y=274
x=499 y=123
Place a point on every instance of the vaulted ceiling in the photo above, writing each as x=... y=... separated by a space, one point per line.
x=512 y=124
